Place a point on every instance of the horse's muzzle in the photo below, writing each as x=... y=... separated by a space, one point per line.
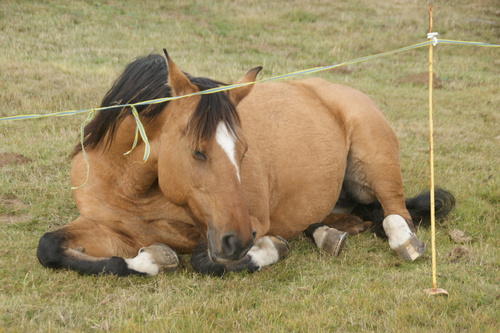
x=230 y=248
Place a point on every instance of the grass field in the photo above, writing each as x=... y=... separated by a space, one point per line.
x=58 y=55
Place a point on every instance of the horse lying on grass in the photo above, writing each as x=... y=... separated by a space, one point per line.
x=231 y=175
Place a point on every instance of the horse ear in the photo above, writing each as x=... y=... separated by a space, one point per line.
x=177 y=80
x=237 y=94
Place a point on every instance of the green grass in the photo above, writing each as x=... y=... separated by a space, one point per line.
x=58 y=56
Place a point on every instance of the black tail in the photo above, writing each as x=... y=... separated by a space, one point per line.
x=419 y=208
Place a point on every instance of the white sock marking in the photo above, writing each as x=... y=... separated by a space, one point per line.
x=226 y=139
x=143 y=263
x=397 y=230
x=264 y=253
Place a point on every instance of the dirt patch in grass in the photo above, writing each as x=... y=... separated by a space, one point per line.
x=458 y=253
x=422 y=79
x=458 y=236
x=14 y=218
x=13 y=205
x=13 y=158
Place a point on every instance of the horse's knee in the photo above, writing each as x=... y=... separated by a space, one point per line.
x=50 y=251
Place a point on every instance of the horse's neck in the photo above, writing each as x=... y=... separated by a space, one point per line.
x=125 y=164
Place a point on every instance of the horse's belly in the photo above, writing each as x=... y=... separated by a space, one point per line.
x=305 y=191
x=302 y=152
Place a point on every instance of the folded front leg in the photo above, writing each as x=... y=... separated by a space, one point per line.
x=267 y=251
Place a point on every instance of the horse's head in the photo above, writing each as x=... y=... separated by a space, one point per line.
x=201 y=150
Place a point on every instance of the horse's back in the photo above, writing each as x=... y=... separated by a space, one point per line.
x=309 y=108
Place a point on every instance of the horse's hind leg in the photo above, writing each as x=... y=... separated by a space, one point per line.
x=267 y=251
x=373 y=173
x=88 y=248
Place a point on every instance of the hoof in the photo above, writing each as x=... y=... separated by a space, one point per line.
x=411 y=250
x=436 y=292
x=333 y=241
x=163 y=256
x=281 y=246
x=80 y=249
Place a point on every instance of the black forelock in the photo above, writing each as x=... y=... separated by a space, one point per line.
x=211 y=110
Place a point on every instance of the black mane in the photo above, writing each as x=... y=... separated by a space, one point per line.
x=146 y=79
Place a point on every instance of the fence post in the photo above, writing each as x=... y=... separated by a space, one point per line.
x=434 y=290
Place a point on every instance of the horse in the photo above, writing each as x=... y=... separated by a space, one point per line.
x=231 y=176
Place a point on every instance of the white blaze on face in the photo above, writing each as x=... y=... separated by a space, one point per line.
x=226 y=139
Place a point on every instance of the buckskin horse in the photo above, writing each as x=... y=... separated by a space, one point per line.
x=231 y=175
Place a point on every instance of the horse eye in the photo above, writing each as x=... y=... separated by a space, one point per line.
x=199 y=155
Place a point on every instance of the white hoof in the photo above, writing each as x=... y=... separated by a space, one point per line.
x=154 y=259
x=268 y=250
x=401 y=239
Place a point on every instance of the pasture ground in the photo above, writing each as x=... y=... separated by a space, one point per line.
x=58 y=56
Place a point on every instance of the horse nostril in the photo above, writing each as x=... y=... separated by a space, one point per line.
x=230 y=245
x=254 y=234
